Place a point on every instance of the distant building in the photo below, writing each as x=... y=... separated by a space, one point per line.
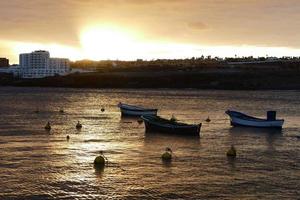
x=4 y=62
x=38 y=64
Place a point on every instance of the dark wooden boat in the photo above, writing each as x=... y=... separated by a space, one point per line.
x=158 y=124
x=130 y=110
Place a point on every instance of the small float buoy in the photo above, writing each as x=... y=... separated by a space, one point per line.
x=231 y=152
x=48 y=126
x=167 y=156
x=208 y=119
x=102 y=109
x=78 y=125
x=68 y=137
x=140 y=121
x=100 y=161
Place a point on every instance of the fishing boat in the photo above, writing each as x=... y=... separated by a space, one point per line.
x=158 y=124
x=130 y=110
x=241 y=119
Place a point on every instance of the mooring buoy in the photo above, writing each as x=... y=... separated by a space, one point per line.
x=231 y=152
x=208 y=119
x=48 y=126
x=78 y=125
x=100 y=161
x=167 y=155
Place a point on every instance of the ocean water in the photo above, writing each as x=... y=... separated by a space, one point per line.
x=36 y=164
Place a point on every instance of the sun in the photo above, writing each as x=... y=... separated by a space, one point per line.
x=107 y=43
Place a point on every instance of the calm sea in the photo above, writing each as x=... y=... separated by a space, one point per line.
x=35 y=164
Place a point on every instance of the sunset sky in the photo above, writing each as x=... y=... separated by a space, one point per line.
x=149 y=29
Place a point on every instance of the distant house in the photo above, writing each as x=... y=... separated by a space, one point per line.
x=4 y=62
x=38 y=64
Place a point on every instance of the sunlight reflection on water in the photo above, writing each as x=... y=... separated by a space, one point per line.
x=36 y=164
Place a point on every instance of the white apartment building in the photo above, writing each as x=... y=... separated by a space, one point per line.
x=38 y=64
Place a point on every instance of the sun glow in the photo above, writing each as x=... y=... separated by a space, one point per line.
x=56 y=50
x=107 y=43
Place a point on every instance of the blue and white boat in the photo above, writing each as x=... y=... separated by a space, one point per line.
x=130 y=110
x=241 y=119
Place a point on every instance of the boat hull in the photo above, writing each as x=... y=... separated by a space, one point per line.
x=238 y=121
x=189 y=130
x=128 y=110
x=135 y=113
x=270 y=124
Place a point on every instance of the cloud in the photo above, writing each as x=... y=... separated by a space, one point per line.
x=197 y=25
x=199 y=22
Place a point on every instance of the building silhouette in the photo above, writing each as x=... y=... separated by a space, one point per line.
x=38 y=64
x=4 y=62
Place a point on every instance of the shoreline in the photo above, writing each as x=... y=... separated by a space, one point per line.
x=212 y=79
